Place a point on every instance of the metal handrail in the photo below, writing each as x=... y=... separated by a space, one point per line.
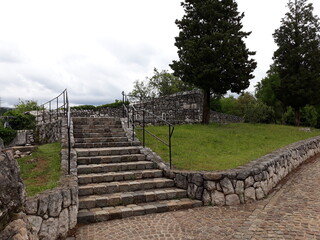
x=131 y=119
x=65 y=106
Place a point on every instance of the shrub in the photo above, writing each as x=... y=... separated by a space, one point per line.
x=259 y=113
x=288 y=117
x=309 y=116
x=7 y=135
x=21 y=121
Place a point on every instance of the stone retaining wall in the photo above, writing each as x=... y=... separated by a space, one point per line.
x=218 y=117
x=49 y=132
x=244 y=184
x=53 y=213
x=102 y=112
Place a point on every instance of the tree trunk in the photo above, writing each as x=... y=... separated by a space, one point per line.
x=206 y=107
x=297 y=117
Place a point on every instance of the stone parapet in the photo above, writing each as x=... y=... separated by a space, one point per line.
x=245 y=184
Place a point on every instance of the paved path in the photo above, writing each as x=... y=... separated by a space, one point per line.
x=293 y=212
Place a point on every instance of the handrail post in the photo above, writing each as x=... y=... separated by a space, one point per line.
x=57 y=108
x=143 y=128
x=123 y=105
x=170 y=146
x=133 y=124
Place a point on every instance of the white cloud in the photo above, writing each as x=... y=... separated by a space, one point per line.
x=97 y=48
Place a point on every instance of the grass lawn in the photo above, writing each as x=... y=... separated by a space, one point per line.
x=41 y=170
x=222 y=146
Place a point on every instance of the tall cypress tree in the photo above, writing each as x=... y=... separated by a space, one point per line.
x=297 y=59
x=212 y=53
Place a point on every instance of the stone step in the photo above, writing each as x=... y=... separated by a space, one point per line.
x=110 y=213
x=99 y=130
x=101 y=139
x=96 y=121
x=111 y=159
x=98 y=135
x=125 y=198
x=119 y=176
x=115 y=167
x=94 y=127
x=84 y=152
x=105 y=144
x=124 y=186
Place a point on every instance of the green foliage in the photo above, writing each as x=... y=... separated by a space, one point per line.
x=259 y=113
x=230 y=106
x=115 y=104
x=297 y=59
x=212 y=53
x=309 y=116
x=222 y=146
x=160 y=84
x=84 y=107
x=7 y=135
x=288 y=116
x=41 y=170
x=21 y=121
x=25 y=106
x=245 y=101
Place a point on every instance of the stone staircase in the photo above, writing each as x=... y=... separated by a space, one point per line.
x=115 y=180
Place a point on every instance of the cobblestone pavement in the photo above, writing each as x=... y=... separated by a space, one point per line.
x=290 y=212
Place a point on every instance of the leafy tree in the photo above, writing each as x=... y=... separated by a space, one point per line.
x=309 y=116
x=230 y=106
x=265 y=92
x=245 y=102
x=259 y=113
x=297 y=59
x=160 y=84
x=25 y=106
x=141 y=90
x=212 y=53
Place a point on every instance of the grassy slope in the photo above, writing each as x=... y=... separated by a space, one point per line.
x=41 y=170
x=220 y=147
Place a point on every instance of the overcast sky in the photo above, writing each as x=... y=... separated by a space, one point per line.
x=98 y=48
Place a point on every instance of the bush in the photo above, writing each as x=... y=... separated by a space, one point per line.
x=259 y=113
x=7 y=135
x=21 y=121
x=288 y=117
x=309 y=116
x=84 y=107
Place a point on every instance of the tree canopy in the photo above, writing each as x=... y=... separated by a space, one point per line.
x=160 y=84
x=297 y=59
x=211 y=50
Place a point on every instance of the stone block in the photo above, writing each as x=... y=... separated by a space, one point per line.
x=63 y=223
x=218 y=198
x=206 y=198
x=249 y=182
x=31 y=206
x=210 y=185
x=66 y=195
x=239 y=187
x=43 y=204
x=35 y=223
x=55 y=204
x=49 y=229
x=259 y=193
x=232 y=199
x=249 y=195
x=196 y=178
x=227 y=186
x=181 y=181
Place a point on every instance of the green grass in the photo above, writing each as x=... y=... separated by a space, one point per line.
x=41 y=170
x=222 y=146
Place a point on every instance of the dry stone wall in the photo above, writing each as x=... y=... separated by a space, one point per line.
x=53 y=213
x=49 y=132
x=244 y=184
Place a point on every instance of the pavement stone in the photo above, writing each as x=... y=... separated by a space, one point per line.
x=292 y=211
